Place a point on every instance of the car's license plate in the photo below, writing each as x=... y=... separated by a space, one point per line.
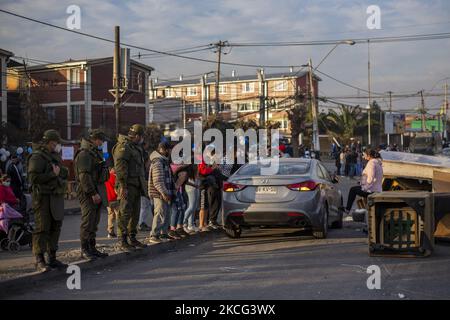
x=266 y=190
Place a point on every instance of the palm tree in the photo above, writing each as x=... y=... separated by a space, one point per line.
x=345 y=122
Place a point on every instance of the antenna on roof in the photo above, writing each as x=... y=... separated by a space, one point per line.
x=233 y=73
x=181 y=77
x=291 y=69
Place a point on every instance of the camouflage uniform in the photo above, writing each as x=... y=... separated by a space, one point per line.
x=91 y=174
x=48 y=191
x=129 y=165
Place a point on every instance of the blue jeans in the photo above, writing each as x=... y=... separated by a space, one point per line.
x=351 y=170
x=194 y=196
x=177 y=215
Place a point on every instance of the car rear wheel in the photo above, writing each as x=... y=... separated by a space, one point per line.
x=233 y=232
x=322 y=232
x=340 y=222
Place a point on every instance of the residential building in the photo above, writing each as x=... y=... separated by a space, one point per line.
x=4 y=58
x=239 y=96
x=76 y=94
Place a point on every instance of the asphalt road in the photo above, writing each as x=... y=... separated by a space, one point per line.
x=265 y=264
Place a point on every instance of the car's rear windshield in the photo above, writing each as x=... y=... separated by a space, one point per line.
x=284 y=169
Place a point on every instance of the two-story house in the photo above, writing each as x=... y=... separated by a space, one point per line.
x=76 y=97
x=4 y=57
x=239 y=96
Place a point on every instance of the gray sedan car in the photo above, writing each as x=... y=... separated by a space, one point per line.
x=301 y=195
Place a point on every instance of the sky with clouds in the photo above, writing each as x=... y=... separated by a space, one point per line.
x=173 y=24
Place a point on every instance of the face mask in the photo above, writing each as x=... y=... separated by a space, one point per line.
x=7 y=184
x=58 y=148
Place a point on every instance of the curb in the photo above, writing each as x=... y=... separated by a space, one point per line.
x=35 y=279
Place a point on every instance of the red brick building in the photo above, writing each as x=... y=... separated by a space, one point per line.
x=76 y=97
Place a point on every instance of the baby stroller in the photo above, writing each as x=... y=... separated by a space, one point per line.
x=15 y=228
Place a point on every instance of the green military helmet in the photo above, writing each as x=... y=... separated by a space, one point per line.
x=136 y=129
x=51 y=135
x=97 y=134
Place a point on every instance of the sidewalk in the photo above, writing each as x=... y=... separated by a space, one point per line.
x=13 y=264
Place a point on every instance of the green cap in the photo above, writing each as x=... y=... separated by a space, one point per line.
x=51 y=135
x=136 y=129
x=97 y=134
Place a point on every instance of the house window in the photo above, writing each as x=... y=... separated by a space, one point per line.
x=222 y=89
x=248 y=106
x=248 y=87
x=284 y=124
x=281 y=85
x=76 y=116
x=74 y=78
x=194 y=108
x=225 y=107
x=168 y=93
x=136 y=80
x=192 y=91
x=51 y=115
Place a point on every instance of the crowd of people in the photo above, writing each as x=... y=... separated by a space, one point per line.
x=182 y=199
x=143 y=190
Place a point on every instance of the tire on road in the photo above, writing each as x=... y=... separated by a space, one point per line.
x=233 y=232
x=340 y=222
x=322 y=231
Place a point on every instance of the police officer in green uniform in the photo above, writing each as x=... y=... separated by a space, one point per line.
x=91 y=174
x=48 y=179
x=129 y=163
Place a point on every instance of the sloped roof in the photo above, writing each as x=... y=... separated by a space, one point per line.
x=212 y=80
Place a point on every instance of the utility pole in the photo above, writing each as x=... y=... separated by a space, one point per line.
x=423 y=111
x=390 y=113
x=117 y=78
x=219 y=46
x=445 y=108
x=316 y=141
x=370 y=97
x=184 y=113
x=262 y=99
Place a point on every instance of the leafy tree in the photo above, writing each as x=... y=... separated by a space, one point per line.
x=300 y=119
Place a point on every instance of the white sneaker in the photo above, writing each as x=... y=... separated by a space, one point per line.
x=190 y=230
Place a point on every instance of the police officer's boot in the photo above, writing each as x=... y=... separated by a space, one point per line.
x=124 y=245
x=86 y=252
x=135 y=243
x=53 y=263
x=94 y=250
x=40 y=264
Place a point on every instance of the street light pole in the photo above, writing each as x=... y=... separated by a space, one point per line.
x=369 y=135
x=316 y=141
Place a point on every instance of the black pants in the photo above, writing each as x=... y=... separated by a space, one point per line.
x=355 y=191
x=214 y=203
x=338 y=169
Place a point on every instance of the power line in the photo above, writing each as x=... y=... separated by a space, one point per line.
x=143 y=48
x=404 y=38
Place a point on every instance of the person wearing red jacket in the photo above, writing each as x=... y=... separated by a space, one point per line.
x=113 y=204
x=6 y=192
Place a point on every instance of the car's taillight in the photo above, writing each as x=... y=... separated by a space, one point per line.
x=295 y=214
x=303 y=186
x=232 y=187
x=236 y=214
